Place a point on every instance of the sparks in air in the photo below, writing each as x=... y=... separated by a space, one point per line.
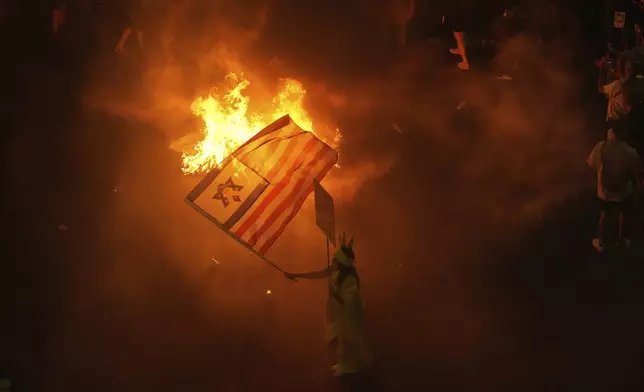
x=228 y=123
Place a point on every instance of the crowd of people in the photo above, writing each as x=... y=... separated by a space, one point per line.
x=616 y=159
x=619 y=42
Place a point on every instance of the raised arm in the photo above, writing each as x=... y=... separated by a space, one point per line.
x=321 y=274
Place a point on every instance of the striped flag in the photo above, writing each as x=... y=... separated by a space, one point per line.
x=256 y=192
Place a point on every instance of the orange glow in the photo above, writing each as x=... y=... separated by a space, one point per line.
x=228 y=123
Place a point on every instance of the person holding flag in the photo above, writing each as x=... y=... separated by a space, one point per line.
x=618 y=168
x=345 y=310
x=256 y=191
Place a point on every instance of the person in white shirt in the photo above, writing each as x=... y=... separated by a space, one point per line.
x=618 y=166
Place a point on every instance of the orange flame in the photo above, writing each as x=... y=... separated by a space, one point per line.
x=228 y=123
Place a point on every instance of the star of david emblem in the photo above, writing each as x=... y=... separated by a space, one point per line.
x=221 y=189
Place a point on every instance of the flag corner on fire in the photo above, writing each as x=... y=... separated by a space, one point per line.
x=256 y=192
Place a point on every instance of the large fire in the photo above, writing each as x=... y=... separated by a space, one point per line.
x=228 y=122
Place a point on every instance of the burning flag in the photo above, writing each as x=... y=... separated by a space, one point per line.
x=257 y=190
x=229 y=122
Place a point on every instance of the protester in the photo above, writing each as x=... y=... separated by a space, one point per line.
x=617 y=165
x=618 y=91
x=345 y=311
x=489 y=23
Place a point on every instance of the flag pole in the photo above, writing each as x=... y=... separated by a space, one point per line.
x=328 y=261
x=328 y=254
x=269 y=262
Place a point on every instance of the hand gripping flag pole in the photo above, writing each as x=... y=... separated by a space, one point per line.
x=256 y=191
